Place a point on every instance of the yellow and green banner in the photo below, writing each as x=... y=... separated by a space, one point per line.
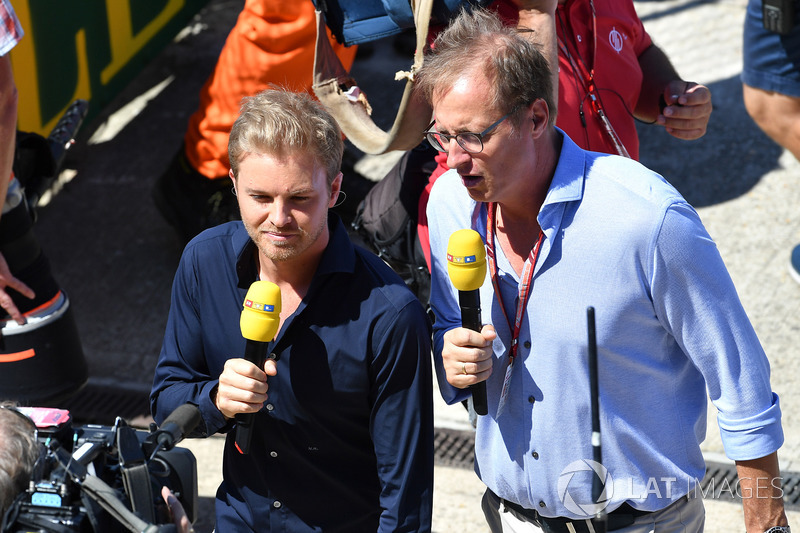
x=89 y=49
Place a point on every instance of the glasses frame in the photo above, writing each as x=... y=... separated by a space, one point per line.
x=429 y=135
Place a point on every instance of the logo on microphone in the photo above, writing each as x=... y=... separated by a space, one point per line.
x=466 y=259
x=256 y=306
x=582 y=472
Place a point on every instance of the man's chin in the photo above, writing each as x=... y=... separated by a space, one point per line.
x=278 y=252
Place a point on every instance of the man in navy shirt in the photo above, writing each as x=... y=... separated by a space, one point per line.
x=343 y=431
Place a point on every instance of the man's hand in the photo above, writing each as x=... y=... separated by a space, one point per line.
x=688 y=109
x=243 y=387
x=8 y=280
x=467 y=355
x=176 y=512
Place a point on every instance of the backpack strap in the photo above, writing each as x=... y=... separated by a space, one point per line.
x=341 y=96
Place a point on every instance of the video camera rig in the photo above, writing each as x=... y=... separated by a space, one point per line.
x=95 y=478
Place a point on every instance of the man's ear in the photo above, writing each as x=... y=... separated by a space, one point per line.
x=539 y=114
x=233 y=179
x=336 y=189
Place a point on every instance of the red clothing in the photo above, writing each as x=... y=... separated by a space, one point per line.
x=621 y=38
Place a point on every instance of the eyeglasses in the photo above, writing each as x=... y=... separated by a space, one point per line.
x=468 y=141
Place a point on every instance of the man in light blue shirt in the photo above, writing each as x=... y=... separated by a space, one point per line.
x=565 y=230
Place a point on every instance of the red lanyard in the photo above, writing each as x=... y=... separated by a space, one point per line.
x=587 y=74
x=526 y=280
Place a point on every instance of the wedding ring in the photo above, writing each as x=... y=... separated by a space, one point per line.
x=464 y=368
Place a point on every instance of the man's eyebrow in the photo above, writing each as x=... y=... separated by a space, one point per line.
x=307 y=190
x=257 y=190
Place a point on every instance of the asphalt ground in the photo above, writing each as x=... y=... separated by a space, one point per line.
x=115 y=256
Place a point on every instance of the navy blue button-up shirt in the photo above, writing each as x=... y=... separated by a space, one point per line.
x=345 y=440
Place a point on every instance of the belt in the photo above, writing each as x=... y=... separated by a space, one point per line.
x=621 y=517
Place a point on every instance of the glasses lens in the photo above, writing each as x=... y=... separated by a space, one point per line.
x=470 y=142
x=436 y=141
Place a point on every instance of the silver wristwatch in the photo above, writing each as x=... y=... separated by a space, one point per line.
x=779 y=529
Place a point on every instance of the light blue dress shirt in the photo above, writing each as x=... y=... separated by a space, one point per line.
x=670 y=331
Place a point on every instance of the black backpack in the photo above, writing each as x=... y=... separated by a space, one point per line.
x=386 y=220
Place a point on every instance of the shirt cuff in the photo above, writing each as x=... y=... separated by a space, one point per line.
x=753 y=437
x=214 y=420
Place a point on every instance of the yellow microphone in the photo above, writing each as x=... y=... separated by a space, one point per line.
x=261 y=312
x=466 y=267
x=261 y=317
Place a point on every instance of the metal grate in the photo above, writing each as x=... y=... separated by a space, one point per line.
x=454 y=448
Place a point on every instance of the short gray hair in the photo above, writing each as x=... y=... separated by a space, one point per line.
x=477 y=41
x=278 y=122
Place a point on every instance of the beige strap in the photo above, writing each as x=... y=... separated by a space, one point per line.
x=341 y=96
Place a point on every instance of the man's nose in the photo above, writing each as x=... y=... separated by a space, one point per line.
x=280 y=214
x=456 y=156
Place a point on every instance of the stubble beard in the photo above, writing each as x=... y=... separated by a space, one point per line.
x=284 y=251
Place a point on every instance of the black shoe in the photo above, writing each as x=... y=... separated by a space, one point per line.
x=190 y=202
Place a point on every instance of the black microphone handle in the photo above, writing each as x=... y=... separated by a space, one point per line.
x=470 y=302
x=256 y=353
x=178 y=424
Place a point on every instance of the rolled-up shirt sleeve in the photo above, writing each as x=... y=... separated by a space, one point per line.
x=696 y=301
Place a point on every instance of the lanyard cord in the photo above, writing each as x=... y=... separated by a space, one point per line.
x=526 y=279
x=590 y=87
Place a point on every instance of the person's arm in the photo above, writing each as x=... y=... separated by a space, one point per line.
x=687 y=104
x=723 y=345
x=182 y=373
x=8 y=134
x=8 y=122
x=762 y=495
x=401 y=422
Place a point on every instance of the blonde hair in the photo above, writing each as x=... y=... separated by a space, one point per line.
x=277 y=121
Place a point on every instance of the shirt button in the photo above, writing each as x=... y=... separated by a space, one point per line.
x=531 y=399
x=273 y=454
x=542 y=504
x=535 y=455
x=270 y=407
x=276 y=504
x=527 y=344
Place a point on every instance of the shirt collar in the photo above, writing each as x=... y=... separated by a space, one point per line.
x=567 y=184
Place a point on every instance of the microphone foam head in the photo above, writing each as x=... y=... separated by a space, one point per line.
x=466 y=260
x=261 y=312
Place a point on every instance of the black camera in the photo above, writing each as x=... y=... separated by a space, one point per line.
x=94 y=478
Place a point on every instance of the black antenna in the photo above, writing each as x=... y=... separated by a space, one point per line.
x=597 y=484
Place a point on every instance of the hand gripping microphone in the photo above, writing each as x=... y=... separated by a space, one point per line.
x=466 y=266
x=259 y=323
